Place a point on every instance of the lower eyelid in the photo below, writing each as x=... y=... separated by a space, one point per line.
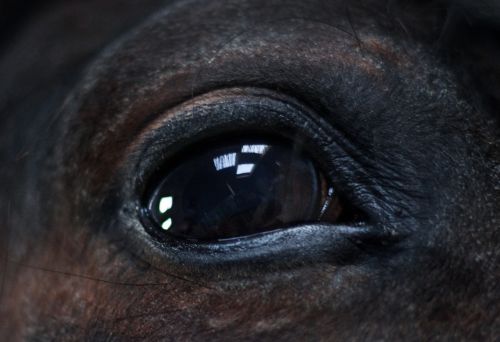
x=283 y=249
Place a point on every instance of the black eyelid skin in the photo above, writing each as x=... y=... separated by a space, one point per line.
x=239 y=111
x=293 y=247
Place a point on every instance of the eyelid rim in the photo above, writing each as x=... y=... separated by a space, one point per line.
x=291 y=247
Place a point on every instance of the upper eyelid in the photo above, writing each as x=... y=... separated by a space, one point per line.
x=204 y=103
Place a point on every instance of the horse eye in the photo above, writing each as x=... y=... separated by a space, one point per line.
x=239 y=189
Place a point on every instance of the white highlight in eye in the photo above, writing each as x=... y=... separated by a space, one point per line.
x=327 y=202
x=167 y=224
x=165 y=204
x=258 y=149
x=244 y=169
x=224 y=161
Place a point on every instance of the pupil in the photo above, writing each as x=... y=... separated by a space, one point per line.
x=236 y=190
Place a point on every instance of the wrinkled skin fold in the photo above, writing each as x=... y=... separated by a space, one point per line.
x=400 y=100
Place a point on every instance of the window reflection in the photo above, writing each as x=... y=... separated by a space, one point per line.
x=228 y=160
x=224 y=161
x=167 y=224
x=165 y=204
x=258 y=149
x=245 y=169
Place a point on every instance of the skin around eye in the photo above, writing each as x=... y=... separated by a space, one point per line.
x=237 y=189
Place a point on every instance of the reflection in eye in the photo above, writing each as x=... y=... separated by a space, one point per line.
x=239 y=189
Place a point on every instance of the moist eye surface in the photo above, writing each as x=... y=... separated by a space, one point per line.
x=239 y=188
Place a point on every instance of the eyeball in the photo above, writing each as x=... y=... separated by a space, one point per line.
x=239 y=188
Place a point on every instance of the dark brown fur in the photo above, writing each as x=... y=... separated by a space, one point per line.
x=89 y=91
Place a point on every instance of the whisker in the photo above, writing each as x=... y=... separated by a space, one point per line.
x=86 y=277
x=5 y=253
x=141 y=315
x=171 y=274
x=351 y=24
